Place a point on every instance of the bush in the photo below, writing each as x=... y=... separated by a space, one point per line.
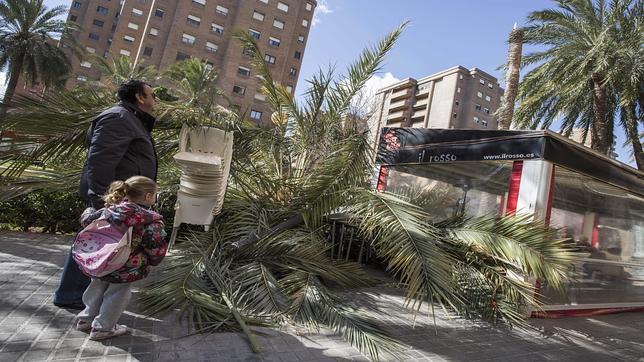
x=51 y=211
x=58 y=211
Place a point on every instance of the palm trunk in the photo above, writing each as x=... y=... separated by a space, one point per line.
x=631 y=131
x=16 y=69
x=601 y=134
x=506 y=111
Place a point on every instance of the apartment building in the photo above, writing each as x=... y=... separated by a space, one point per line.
x=162 y=32
x=453 y=98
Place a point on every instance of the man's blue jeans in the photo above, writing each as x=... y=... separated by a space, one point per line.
x=73 y=283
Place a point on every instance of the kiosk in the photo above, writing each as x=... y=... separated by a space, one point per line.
x=596 y=202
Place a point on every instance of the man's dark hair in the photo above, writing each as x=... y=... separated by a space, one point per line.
x=127 y=91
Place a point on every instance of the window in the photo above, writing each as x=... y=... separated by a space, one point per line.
x=297 y=55
x=154 y=31
x=243 y=71
x=278 y=24
x=309 y=7
x=479 y=94
x=484 y=123
x=182 y=56
x=477 y=106
x=239 y=90
x=218 y=29
x=489 y=85
x=76 y=5
x=125 y=52
x=258 y=16
x=458 y=89
x=460 y=76
x=147 y=51
x=211 y=47
x=199 y=2
x=86 y=64
x=254 y=33
x=487 y=98
x=188 y=39
x=137 y=12
x=292 y=72
x=221 y=10
x=305 y=23
x=456 y=102
x=133 y=26
x=486 y=110
x=289 y=89
x=274 y=41
x=159 y=13
x=300 y=38
x=476 y=119
x=269 y=59
x=193 y=20
x=94 y=36
x=282 y=6
x=209 y=66
x=102 y=10
x=263 y=1
x=128 y=39
x=260 y=97
x=256 y=115
x=482 y=81
x=81 y=78
x=454 y=115
x=73 y=18
x=90 y=50
x=98 y=23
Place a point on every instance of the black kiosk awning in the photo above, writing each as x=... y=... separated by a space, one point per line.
x=407 y=146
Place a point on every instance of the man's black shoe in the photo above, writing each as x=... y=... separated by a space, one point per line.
x=79 y=306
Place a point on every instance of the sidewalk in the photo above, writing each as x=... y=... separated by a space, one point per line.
x=32 y=329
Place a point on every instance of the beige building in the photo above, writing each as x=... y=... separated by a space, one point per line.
x=454 y=98
x=161 y=32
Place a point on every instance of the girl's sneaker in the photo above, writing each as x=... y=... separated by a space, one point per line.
x=83 y=326
x=118 y=330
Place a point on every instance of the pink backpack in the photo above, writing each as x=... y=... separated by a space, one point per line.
x=102 y=248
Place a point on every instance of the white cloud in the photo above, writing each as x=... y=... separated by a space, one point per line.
x=365 y=100
x=320 y=10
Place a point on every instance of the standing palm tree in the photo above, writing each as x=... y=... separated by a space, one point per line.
x=506 y=111
x=29 y=37
x=627 y=74
x=571 y=80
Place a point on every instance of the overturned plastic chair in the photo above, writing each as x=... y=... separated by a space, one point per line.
x=204 y=157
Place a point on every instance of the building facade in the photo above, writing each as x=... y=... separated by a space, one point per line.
x=162 y=32
x=453 y=98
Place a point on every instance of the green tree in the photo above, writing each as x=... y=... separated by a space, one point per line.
x=29 y=44
x=121 y=69
x=571 y=81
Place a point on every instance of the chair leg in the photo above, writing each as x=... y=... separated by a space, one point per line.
x=173 y=236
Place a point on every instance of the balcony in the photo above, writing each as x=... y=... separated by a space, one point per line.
x=423 y=93
x=401 y=93
x=421 y=103
x=418 y=115
x=397 y=116
x=394 y=106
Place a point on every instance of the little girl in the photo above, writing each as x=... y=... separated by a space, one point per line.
x=127 y=203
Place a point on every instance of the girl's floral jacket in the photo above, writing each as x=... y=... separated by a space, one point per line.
x=148 y=238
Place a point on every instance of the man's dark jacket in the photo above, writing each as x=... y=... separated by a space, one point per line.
x=120 y=146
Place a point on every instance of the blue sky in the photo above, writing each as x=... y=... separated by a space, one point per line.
x=441 y=34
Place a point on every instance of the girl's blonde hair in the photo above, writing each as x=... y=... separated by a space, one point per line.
x=133 y=188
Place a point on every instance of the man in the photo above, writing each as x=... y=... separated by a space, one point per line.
x=120 y=146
